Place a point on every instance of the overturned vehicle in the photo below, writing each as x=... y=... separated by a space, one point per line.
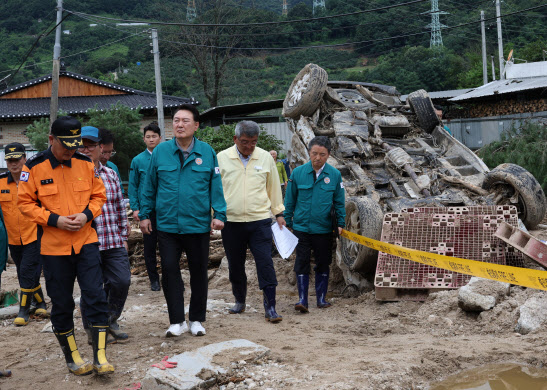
x=394 y=157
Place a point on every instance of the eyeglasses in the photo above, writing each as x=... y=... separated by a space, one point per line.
x=112 y=153
x=88 y=147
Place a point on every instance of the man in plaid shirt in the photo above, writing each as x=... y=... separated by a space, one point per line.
x=112 y=230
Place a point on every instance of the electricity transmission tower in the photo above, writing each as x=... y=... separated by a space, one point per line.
x=435 y=25
x=191 y=10
x=285 y=8
x=317 y=5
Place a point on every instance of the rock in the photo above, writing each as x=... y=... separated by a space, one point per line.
x=48 y=328
x=207 y=362
x=9 y=312
x=482 y=294
x=533 y=314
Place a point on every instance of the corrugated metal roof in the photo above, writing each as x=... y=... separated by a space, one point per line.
x=443 y=94
x=529 y=69
x=500 y=87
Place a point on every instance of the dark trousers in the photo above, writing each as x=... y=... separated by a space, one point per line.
x=116 y=282
x=321 y=244
x=28 y=263
x=60 y=273
x=258 y=236
x=150 y=244
x=196 y=247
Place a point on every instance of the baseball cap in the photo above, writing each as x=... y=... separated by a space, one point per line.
x=14 y=150
x=68 y=130
x=91 y=133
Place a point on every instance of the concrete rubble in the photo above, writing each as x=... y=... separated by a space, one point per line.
x=199 y=368
x=533 y=314
x=482 y=294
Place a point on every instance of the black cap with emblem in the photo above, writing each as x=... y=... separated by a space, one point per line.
x=68 y=130
x=14 y=150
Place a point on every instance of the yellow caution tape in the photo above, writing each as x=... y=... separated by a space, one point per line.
x=502 y=273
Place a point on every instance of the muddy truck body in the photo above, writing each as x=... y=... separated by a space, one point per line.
x=394 y=156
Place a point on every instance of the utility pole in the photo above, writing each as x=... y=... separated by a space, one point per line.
x=484 y=64
x=317 y=5
x=191 y=13
x=500 y=40
x=435 y=25
x=493 y=69
x=285 y=10
x=54 y=104
x=159 y=91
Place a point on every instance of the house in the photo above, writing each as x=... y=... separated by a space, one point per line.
x=489 y=110
x=22 y=104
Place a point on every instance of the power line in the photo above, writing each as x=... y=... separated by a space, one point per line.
x=253 y=24
x=43 y=35
x=98 y=47
x=349 y=43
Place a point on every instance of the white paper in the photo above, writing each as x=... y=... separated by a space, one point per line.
x=285 y=241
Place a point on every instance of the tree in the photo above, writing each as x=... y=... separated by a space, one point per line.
x=124 y=123
x=210 y=50
x=38 y=134
x=222 y=138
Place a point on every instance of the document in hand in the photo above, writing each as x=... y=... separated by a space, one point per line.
x=285 y=241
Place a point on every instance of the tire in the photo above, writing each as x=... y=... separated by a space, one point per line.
x=512 y=180
x=305 y=92
x=365 y=217
x=422 y=106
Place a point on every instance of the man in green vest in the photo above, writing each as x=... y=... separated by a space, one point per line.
x=313 y=190
x=137 y=176
x=184 y=188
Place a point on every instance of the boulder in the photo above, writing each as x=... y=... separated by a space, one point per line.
x=533 y=314
x=482 y=294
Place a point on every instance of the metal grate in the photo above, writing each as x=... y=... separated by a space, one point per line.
x=465 y=232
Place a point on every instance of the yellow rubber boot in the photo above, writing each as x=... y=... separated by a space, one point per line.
x=24 y=307
x=100 y=364
x=74 y=361
x=41 y=308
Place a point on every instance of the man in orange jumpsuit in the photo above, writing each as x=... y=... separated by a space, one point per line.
x=22 y=237
x=60 y=191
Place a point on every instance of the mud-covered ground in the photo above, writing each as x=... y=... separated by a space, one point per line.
x=358 y=343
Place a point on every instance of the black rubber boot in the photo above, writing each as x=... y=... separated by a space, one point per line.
x=321 y=287
x=99 y=335
x=269 y=305
x=24 y=307
x=73 y=359
x=303 y=282
x=38 y=297
x=238 y=308
x=117 y=333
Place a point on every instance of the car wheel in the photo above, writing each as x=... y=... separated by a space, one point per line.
x=422 y=106
x=305 y=92
x=520 y=188
x=365 y=217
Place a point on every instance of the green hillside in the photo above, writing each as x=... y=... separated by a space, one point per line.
x=392 y=44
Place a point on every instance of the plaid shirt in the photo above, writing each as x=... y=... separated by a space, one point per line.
x=112 y=223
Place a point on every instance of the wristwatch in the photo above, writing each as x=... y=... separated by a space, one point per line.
x=279 y=215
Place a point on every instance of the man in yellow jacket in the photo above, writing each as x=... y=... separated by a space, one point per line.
x=251 y=189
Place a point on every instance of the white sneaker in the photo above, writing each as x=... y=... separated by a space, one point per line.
x=196 y=328
x=176 y=330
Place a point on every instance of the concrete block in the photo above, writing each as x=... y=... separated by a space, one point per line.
x=198 y=369
x=482 y=294
x=533 y=314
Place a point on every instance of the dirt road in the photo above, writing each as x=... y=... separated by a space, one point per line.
x=359 y=343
